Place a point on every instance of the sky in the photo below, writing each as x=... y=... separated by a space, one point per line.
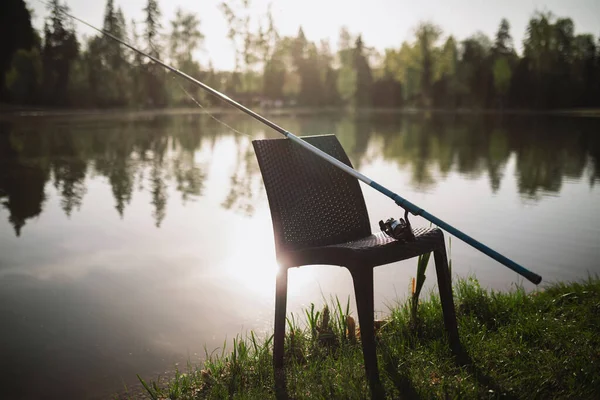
x=383 y=23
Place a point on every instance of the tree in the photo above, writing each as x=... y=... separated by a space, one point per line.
x=244 y=40
x=502 y=76
x=559 y=62
x=540 y=50
x=154 y=74
x=329 y=93
x=446 y=88
x=184 y=39
x=346 y=79
x=24 y=78
x=583 y=73
x=237 y=25
x=409 y=71
x=427 y=35
x=306 y=62
x=59 y=52
x=152 y=29
x=273 y=53
x=504 y=57
x=137 y=72
x=474 y=71
x=503 y=44
x=16 y=32
x=109 y=76
x=387 y=92
x=364 y=77
x=274 y=75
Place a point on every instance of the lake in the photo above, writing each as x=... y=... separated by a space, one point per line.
x=129 y=243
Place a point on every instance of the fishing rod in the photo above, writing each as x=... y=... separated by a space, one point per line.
x=399 y=200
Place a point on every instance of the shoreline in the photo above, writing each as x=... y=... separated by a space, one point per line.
x=17 y=113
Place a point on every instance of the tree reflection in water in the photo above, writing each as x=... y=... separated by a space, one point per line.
x=156 y=153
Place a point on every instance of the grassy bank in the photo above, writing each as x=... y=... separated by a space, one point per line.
x=544 y=344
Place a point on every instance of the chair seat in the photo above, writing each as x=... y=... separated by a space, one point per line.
x=376 y=249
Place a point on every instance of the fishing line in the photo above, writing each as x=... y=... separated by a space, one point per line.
x=208 y=112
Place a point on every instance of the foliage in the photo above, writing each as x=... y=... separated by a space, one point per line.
x=154 y=75
x=185 y=38
x=16 y=32
x=558 y=68
x=24 y=78
x=58 y=54
x=502 y=75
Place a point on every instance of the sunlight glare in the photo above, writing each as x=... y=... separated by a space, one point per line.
x=252 y=264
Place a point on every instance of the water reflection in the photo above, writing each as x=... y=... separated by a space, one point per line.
x=547 y=150
x=154 y=153
x=245 y=184
x=93 y=293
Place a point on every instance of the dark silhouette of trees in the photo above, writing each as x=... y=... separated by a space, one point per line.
x=154 y=75
x=427 y=35
x=58 y=54
x=474 y=72
x=16 y=33
x=387 y=92
x=558 y=69
x=504 y=59
x=24 y=78
x=560 y=63
x=364 y=78
x=445 y=90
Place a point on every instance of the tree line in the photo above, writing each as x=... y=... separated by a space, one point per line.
x=54 y=68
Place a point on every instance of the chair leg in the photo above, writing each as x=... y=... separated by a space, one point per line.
x=446 y=297
x=363 y=290
x=280 y=309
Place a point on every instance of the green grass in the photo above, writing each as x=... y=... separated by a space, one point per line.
x=544 y=344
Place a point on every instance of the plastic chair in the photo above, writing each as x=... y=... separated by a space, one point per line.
x=319 y=217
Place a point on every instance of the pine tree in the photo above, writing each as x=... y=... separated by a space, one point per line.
x=364 y=77
x=154 y=74
x=153 y=26
x=504 y=42
x=59 y=51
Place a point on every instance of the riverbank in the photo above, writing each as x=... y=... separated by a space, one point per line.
x=542 y=344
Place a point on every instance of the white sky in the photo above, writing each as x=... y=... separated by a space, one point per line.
x=383 y=23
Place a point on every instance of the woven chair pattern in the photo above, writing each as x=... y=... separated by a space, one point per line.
x=318 y=207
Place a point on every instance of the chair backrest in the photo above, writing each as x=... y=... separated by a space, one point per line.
x=312 y=202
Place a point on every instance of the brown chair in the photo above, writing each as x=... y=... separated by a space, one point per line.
x=319 y=217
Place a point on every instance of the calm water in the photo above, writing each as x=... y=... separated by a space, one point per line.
x=128 y=243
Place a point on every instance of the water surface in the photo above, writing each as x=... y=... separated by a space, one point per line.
x=129 y=242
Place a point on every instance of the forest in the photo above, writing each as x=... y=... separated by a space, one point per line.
x=557 y=69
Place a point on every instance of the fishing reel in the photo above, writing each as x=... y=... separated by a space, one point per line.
x=399 y=230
